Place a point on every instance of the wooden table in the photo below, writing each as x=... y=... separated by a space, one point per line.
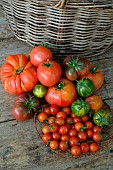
x=20 y=147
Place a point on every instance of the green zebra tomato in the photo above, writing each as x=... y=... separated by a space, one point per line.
x=80 y=108
x=101 y=118
x=39 y=90
x=85 y=87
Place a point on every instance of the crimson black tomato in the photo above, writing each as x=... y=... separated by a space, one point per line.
x=24 y=106
x=80 y=66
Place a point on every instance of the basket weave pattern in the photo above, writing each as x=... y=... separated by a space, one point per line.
x=86 y=27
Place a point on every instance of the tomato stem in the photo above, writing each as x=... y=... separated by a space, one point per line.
x=19 y=70
x=47 y=64
x=60 y=85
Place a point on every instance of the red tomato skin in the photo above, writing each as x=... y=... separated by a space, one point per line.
x=63 y=130
x=84 y=147
x=18 y=74
x=63 y=145
x=40 y=54
x=54 y=145
x=49 y=75
x=93 y=147
x=89 y=133
x=75 y=150
x=54 y=109
x=62 y=97
x=46 y=137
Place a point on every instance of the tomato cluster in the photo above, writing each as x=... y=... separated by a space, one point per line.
x=68 y=87
x=63 y=130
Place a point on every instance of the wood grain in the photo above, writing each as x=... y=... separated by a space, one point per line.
x=21 y=148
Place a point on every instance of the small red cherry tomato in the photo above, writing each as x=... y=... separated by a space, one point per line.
x=54 y=145
x=82 y=136
x=63 y=145
x=63 y=130
x=84 y=147
x=54 y=109
x=75 y=150
x=93 y=147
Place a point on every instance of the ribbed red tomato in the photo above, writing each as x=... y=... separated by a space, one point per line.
x=18 y=74
x=61 y=94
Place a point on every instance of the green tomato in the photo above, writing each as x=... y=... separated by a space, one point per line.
x=101 y=118
x=80 y=108
x=85 y=87
x=39 y=90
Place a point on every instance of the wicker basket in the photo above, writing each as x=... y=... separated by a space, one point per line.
x=82 y=26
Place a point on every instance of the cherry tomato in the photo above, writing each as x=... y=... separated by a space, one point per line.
x=76 y=119
x=67 y=110
x=63 y=145
x=61 y=114
x=79 y=126
x=73 y=141
x=84 y=147
x=46 y=137
x=47 y=110
x=97 y=137
x=65 y=137
x=53 y=127
x=51 y=119
x=69 y=120
x=75 y=150
x=82 y=136
x=88 y=125
x=93 y=147
x=63 y=130
x=60 y=121
x=56 y=136
x=54 y=109
x=97 y=129
x=72 y=132
x=45 y=129
x=89 y=133
x=42 y=116
x=85 y=118
x=68 y=126
x=54 y=145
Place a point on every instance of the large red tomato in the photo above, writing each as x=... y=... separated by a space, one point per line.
x=39 y=54
x=49 y=73
x=61 y=94
x=18 y=74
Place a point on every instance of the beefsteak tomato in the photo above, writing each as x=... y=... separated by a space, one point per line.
x=61 y=94
x=49 y=73
x=24 y=106
x=40 y=54
x=18 y=74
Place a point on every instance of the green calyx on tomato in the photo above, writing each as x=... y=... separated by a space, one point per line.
x=47 y=64
x=60 y=85
x=39 y=90
x=94 y=70
x=101 y=118
x=19 y=70
x=80 y=108
x=85 y=87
